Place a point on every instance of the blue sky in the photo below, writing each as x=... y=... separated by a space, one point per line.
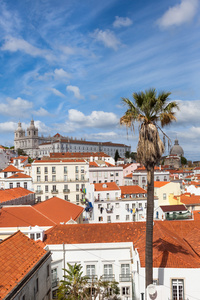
x=68 y=63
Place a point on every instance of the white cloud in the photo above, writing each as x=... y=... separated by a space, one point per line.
x=56 y=92
x=60 y=73
x=98 y=119
x=179 y=14
x=42 y=128
x=121 y=22
x=107 y=37
x=15 y=107
x=41 y=112
x=187 y=115
x=14 y=45
x=75 y=90
x=8 y=127
x=93 y=97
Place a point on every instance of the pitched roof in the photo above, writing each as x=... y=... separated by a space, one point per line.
x=78 y=154
x=158 y=184
x=168 y=208
x=93 y=164
x=129 y=175
x=47 y=213
x=59 y=210
x=108 y=186
x=11 y=168
x=18 y=256
x=170 y=250
x=19 y=175
x=190 y=199
x=132 y=189
x=11 y=194
x=58 y=160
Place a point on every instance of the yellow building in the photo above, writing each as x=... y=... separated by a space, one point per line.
x=165 y=192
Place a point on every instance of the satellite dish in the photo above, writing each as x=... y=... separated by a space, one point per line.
x=152 y=292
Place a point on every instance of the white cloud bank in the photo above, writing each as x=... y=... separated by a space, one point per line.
x=122 y=22
x=106 y=37
x=179 y=14
x=75 y=89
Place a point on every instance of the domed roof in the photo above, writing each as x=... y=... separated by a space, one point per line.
x=19 y=129
x=177 y=149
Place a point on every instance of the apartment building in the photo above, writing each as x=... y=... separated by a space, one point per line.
x=100 y=171
x=62 y=178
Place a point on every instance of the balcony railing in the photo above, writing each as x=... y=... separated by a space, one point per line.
x=110 y=277
x=39 y=192
x=54 y=191
x=55 y=282
x=124 y=277
x=92 y=278
x=66 y=190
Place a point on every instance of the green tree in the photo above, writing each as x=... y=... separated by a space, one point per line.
x=74 y=283
x=183 y=160
x=149 y=110
x=116 y=155
x=127 y=154
x=75 y=286
x=21 y=152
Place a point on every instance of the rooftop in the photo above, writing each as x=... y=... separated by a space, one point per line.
x=11 y=194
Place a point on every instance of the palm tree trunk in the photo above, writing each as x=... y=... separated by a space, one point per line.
x=149 y=228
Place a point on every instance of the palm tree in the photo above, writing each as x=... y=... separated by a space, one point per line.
x=149 y=110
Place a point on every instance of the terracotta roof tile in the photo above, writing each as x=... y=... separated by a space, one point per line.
x=18 y=256
x=168 y=208
x=170 y=250
x=11 y=194
x=93 y=164
x=58 y=160
x=108 y=186
x=158 y=184
x=190 y=199
x=78 y=154
x=19 y=175
x=11 y=168
x=132 y=189
x=129 y=175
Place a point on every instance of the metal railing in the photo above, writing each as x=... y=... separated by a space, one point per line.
x=124 y=277
x=66 y=190
x=55 y=282
x=39 y=192
x=110 y=277
x=54 y=191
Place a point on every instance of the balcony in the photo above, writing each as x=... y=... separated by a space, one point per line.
x=66 y=191
x=110 y=277
x=92 y=278
x=124 y=277
x=55 y=282
x=54 y=191
x=39 y=192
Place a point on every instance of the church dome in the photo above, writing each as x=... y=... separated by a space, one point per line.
x=177 y=149
x=19 y=129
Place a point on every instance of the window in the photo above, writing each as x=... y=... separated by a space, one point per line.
x=66 y=197
x=177 y=289
x=133 y=205
x=117 y=217
x=76 y=169
x=37 y=235
x=77 y=187
x=116 y=174
x=48 y=271
x=65 y=170
x=117 y=205
x=127 y=217
x=82 y=170
x=140 y=205
x=38 y=170
x=37 y=285
x=125 y=272
x=164 y=196
x=46 y=178
x=77 y=177
x=38 y=178
x=127 y=206
x=82 y=177
x=54 y=188
x=38 y=188
x=90 y=271
x=46 y=197
x=125 y=291
x=109 y=219
x=18 y=184
x=46 y=188
x=25 y=185
x=32 y=236
x=77 y=198
x=46 y=170
x=53 y=178
x=108 y=270
x=53 y=170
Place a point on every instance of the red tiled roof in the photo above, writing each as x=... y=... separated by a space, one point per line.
x=132 y=189
x=58 y=160
x=19 y=175
x=11 y=168
x=11 y=194
x=59 y=210
x=18 y=256
x=93 y=164
x=178 y=207
x=109 y=165
x=129 y=175
x=158 y=184
x=47 y=213
x=190 y=199
x=108 y=186
x=78 y=154
x=170 y=250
